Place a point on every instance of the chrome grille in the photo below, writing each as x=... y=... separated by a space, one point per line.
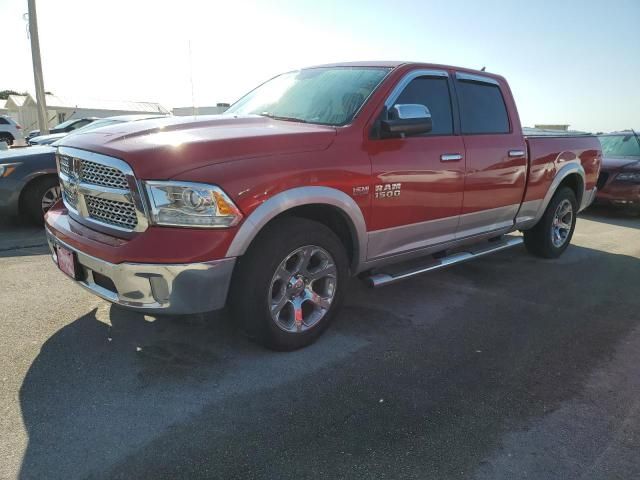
x=120 y=214
x=96 y=174
x=96 y=190
x=70 y=196
x=65 y=165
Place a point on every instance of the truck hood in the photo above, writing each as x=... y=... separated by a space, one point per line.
x=613 y=164
x=165 y=147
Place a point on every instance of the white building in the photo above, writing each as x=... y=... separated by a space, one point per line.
x=186 y=111
x=23 y=109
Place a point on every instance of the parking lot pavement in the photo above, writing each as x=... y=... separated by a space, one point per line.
x=505 y=367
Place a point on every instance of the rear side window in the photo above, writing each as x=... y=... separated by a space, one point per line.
x=3 y=121
x=482 y=108
x=433 y=93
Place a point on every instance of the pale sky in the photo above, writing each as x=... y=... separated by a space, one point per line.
x=575 y=62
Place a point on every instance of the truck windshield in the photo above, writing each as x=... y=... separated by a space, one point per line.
x=326 y=95
x=626 y=145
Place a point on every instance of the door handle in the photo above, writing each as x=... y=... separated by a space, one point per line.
x=450 y=157
x=516 y=153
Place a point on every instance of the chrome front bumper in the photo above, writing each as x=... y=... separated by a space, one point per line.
x=154 y=288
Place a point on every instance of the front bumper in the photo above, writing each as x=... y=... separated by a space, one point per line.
x=620 y=193
x=153 y=288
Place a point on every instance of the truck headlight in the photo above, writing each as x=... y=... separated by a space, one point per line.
x=187 y=204
x=629 y=177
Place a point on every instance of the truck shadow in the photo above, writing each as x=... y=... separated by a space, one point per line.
x=432 y=371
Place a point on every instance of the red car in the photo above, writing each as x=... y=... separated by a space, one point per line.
x=619 y=180
x=383 y=170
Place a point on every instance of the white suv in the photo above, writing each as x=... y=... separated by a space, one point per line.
x=10 y=131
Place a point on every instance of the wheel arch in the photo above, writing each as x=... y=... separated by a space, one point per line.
x=571 y=175
x=329 y=206
x=31 y=181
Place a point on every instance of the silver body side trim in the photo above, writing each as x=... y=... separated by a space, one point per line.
x=155 y=288
x=422 y=252
x=528 y=219
x=588 y=198
x=396 y=240
x=486 y=220
x=297 y=197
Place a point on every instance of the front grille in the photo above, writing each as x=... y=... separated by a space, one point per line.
x=65 y=165
x=602 y=180
x=101 y=191
x=96 y=174
x=120 y=214
x=71 y=197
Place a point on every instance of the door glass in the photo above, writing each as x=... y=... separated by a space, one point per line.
x=433 y=93
x=482 y=108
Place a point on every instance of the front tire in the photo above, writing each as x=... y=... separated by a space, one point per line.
x=551 y=236
x=40 y=197
x=289 y=285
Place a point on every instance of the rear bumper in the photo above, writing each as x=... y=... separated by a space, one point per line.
x=153 y=288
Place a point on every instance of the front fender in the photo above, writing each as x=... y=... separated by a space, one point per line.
x=297 y=197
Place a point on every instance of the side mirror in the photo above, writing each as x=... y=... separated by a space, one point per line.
x=407 y=119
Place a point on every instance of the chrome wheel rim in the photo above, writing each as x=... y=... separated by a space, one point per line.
x=302 y=289
x=562 y=223
x=50 y=197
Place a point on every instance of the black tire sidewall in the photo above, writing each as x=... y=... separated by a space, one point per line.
x=255 y=269
x=540 y=238
x=33 y=198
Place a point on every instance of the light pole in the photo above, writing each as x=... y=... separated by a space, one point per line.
x=43 y=124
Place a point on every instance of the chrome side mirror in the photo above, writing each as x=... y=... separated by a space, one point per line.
x=407 y=119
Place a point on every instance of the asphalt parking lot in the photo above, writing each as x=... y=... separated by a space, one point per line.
x=506 y=367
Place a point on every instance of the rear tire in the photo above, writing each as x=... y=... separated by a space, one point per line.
x=551 y=236
x=39 y=197
x=289 y=285
x=6 y=138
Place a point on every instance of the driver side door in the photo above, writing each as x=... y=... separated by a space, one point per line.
x=418 y=180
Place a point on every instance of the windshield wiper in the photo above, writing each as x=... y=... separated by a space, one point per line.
x=280 y=117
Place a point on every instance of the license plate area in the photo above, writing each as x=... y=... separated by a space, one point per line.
x=67 y=262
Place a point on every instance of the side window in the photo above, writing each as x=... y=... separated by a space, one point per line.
x=81 y=123
x=4 y=121
x=433 y=93
x=482 y=108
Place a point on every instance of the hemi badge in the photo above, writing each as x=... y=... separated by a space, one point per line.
x=362 y=190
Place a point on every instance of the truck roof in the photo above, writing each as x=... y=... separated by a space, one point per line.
x=400 y=63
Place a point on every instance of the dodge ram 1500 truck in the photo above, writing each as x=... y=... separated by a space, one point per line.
x=382 y=170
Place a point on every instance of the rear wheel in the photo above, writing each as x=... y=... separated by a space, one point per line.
x=552 y=234
x=6 y=138
x=288 y=286
x=40 y=197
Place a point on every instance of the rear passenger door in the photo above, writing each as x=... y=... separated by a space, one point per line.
x=496 y=163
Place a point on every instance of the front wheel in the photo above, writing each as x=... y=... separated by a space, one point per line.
x=552 y=234
x=40 y=196
x=289 y=284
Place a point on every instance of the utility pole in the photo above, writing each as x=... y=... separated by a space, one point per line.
x=43 y=123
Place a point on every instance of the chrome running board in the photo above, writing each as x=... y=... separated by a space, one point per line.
x=474 y=251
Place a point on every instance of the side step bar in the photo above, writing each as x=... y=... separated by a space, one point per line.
x=381 y=279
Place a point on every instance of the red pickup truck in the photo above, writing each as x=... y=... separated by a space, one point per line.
x=382 y=170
